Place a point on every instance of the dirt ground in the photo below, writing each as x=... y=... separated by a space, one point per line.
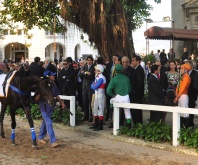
x=81 y=149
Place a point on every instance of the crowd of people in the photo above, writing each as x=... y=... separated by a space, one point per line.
x=97 y=84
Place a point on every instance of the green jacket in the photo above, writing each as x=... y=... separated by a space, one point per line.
x=120 y=85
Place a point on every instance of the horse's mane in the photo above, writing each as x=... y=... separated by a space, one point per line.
x=25 y=82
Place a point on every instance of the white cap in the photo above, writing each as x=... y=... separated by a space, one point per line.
x=99 y=67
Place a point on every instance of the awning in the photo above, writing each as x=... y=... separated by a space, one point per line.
x=164 y=33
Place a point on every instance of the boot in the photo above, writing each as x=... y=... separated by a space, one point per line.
x=100 y=127
x=96 y=123
x=128 y=121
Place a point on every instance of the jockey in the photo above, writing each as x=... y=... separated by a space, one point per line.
x=99 y=86
x=47 y=110
x=119 y=89
x=181 y=92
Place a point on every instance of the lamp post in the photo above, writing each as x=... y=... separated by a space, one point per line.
x=167 y=19
x=173 y=27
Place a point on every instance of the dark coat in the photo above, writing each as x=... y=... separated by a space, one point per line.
x=155 y=91
x=193 y=91
x=108 y=72
x=50 y=67
x=163 y=80
x=163 y=57
x=137 y=85
x=36 y=69
x=69 y=75
x=128 y=72
x=87 y=79
x=185 y=56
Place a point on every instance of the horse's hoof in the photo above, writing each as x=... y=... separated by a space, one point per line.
x=35 y=147
x=13 y=144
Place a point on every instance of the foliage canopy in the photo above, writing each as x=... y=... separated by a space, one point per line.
x=104 y=20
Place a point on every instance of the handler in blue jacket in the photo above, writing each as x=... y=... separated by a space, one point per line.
x=47 y=110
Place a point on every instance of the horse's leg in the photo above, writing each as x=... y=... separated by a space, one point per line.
x=31 y=124
x=13 y=124
x=3 y=109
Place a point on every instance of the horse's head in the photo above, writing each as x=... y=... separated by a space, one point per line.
x=45 y=91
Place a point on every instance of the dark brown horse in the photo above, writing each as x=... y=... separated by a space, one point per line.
x=19 y=94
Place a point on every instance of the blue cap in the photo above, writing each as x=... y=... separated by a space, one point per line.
x=49 y=73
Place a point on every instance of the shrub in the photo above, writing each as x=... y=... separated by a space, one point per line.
x=155 y=132
x=57 y=116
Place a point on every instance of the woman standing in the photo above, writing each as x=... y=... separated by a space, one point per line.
x=173 y=78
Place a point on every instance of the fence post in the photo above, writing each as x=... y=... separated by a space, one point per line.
x=176 y=128
x=72 y=109
x=116 y=120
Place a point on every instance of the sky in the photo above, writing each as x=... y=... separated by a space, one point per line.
x=159 y=11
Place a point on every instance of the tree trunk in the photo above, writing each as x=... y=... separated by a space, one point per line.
x=108 y=26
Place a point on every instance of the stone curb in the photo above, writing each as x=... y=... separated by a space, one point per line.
x=131 y=140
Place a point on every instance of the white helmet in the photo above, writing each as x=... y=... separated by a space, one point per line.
x=99 y=67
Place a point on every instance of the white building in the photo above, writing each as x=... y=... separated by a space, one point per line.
x=73 y=43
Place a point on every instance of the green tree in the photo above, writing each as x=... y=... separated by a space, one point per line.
x=109 y=23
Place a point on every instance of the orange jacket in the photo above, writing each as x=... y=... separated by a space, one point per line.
x=183 y=86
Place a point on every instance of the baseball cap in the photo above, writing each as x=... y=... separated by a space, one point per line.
x=186 y=66
x=118 y=68
x=49 y=73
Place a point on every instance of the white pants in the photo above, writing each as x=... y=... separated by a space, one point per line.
x=183 y=103
x=122 y=99
x=99 y=104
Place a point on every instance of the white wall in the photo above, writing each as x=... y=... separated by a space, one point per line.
x=40 y=41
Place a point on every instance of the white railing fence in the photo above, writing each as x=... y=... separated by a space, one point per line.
x=72 y=100
x=174 y=110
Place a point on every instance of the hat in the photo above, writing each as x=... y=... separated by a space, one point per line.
x=99 y=67
x=118 y=68
x=49 y=73
x=186 y=66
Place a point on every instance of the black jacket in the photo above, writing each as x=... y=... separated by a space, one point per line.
x=155 y=91
x=87 y=79
x=137 y=84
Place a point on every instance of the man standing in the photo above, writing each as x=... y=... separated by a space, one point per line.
x=99 y=102
x=155 y=93
x=35 y=68
x=157 y=56
x=163 y=56
x=88 y=75
x=137 y=92
x=67 y=77
x=171 y=55
x=127 y=71
x=163 y=80
x=110 y=73
x=120 y=87
x=185 y=55
x=192 y=93
x=47 y=110
x=79 y=83
x=182 y=93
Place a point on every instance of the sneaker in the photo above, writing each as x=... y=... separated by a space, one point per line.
x=42 y=141
x=55 y=144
